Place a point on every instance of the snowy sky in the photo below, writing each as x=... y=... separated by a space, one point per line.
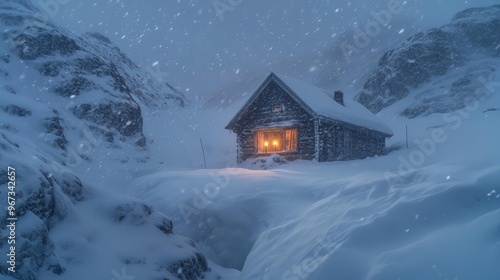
x=202 y=52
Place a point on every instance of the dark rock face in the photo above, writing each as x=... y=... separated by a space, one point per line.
x=433 y=54
x=34 y=246
x=51 y=68
x=40 y=205
x=9 y=89
x=136 y=214
x=190 y=269
x=43 y=44
x=426 y=55
x=16 y=110
x=43 y=201
x=132 y=213
x=165 y=225
x=480 y=26
x=124 y=117
x=74 y=87
x=53 y=126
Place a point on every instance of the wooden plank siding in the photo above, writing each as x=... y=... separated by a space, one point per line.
x=340 y=141
x=261 y=114
x=318 y=137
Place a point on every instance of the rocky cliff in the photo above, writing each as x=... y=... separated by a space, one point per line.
x=458 y=56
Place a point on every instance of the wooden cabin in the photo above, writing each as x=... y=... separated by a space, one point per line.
x=291 y=118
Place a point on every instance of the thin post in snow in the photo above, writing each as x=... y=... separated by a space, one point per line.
x=203 y=151
x=407 y=136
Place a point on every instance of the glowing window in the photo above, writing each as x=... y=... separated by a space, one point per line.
x=277 y=140
x=278 y=108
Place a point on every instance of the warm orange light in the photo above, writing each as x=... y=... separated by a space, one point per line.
x=275 y=143
x=266 y=144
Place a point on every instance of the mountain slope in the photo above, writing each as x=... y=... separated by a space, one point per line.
x=80 y=69
x=69 y=102
x=466 y=43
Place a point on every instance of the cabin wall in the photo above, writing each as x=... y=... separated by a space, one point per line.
x=260 y=114
x=340 y=142
x=367 y=143
x=246 y=144
x=331 y=136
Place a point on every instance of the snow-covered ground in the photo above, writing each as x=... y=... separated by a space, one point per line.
x=430 y=211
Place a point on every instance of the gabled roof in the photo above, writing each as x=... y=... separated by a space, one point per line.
x=319 y=103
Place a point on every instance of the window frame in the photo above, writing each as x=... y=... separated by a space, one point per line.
x=283 y=139
x=278 y=108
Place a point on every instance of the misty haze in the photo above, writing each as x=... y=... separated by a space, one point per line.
x=248 y=140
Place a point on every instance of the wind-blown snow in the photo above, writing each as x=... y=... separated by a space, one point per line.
x=427 y=212
x=203 y=52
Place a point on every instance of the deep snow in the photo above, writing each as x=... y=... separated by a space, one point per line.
x=429 y=211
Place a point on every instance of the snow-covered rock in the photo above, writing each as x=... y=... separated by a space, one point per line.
x=88 y=74
x=264 y=163
x=68 y=100
x=459 y=48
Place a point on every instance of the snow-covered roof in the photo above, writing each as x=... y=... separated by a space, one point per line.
x=319 y=102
